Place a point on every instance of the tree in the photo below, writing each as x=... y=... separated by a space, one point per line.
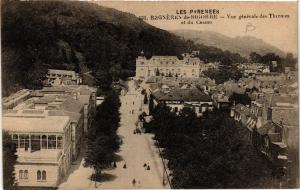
x=290 y=61
x=151 y=103
x=103 y=79
x=210 y=152
x=9 y=161
x=240 y=98
x=255 y=57
x=102 y=140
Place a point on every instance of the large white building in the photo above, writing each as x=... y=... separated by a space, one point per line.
x=190 y=66
x=47 y=127
x=44 y=148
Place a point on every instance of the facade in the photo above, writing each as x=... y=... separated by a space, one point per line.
x=57 y=77
x=44 y=151
x=48 y=127
x=273 y=127
x=253 y=68
x=269 y=140
x=189 y=66
x=177 y=99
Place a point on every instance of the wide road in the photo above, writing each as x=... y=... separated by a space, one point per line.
x=135 y=151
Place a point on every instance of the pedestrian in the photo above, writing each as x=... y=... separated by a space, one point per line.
x=115 y=164
x=125 y=166
x=145 y=165
x=148 y=167
x=133 y=182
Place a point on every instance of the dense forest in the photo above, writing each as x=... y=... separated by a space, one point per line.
x=84 y=37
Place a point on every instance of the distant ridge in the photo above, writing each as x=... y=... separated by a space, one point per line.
x=243 y=45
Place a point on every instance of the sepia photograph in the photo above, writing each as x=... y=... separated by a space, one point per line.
x=149 y=95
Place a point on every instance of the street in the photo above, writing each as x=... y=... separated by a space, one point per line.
x=136 y=150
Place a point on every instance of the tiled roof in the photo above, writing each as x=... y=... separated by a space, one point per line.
x=56 y=71
x=56 y=89
x=73 y=116
x=72 y=105
x=263 y=130
x=285 y=99
x=184 y=95
x=288 y=117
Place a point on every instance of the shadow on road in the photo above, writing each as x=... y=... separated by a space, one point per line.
x=103 y=177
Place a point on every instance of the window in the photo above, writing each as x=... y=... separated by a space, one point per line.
x=44 y=175
x=51 y=142
x=24 y=142
x=41 y=175
x=25 y=176
x=44 y=142
x=38 y=175
x=59 y=141
x=21 y=174
x=35 y=142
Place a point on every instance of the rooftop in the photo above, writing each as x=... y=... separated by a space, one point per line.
x=183 y=95
x=47 y=124
x=57 y=71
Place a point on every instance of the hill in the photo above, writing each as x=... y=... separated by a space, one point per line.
x=101 y=42
x=241 y=45
x=41 y=35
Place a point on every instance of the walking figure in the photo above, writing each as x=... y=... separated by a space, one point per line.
x=133 y=182
x=125 y=166
x=148 y=167
x=145 y=165
x=115 y=164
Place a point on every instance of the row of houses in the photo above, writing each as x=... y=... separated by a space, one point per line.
x=48 y=128
x=272 y=122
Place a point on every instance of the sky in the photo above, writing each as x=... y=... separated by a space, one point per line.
x=280 y=32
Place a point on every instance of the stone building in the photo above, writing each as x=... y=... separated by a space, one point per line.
x=57 y=77
x=189 y=66
x=44 y=148
x=177 y=99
